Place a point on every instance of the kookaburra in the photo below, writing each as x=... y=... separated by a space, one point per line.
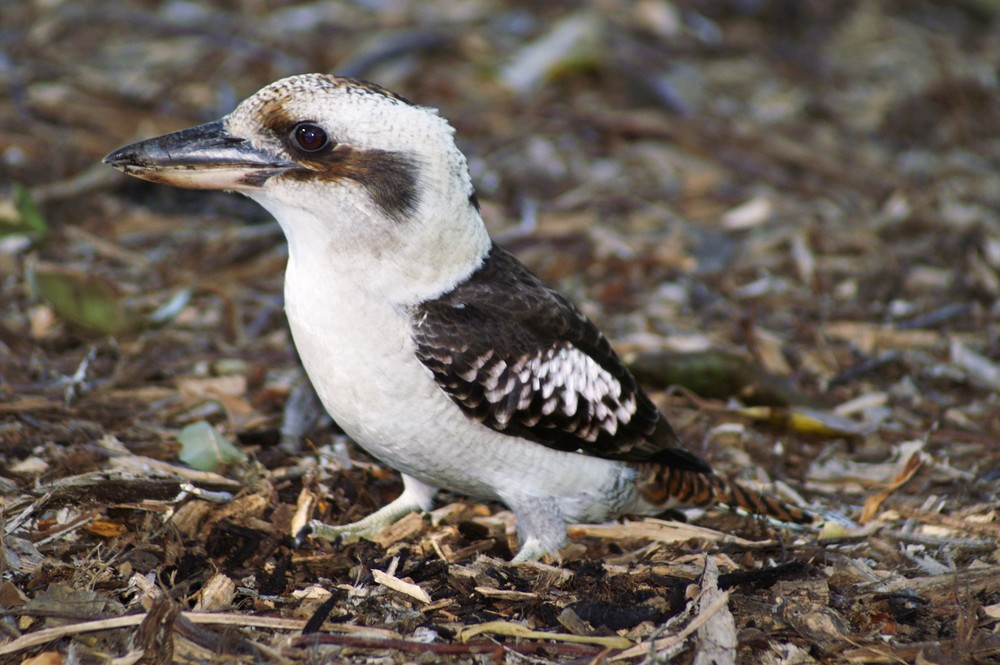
x=435 y=349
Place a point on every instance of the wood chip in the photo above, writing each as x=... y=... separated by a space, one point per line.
x=406 y=588
x=661 y=531
x=217 y=594
x=873 y=337
x=749 y=214
x=407 y=527
x=717 y=636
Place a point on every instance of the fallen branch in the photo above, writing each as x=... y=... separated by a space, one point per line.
x=49 y=634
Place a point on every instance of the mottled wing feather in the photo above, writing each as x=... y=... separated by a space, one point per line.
x=519 y=358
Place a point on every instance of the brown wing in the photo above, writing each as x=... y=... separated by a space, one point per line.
x=519 y=358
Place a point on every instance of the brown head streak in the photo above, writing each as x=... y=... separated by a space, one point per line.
x=389 y=177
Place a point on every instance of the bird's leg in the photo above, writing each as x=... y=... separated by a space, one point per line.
x=531 y=550
x=416 y=496
x=541 y=527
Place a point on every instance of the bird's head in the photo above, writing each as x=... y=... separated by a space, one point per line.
x=356 y=176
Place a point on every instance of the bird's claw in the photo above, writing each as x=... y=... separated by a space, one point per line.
x=344 y=534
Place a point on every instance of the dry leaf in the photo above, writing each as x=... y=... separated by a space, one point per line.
x=807 y=421
x=45 y=658
x=105 y=529
x=874 y=502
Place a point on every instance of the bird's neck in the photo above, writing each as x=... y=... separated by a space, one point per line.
x=399 y=262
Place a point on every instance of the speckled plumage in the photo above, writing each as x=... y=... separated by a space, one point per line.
x=521 y=359
x=435 y=349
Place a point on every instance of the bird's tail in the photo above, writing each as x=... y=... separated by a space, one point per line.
x=664 y=486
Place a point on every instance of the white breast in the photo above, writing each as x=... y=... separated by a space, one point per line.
x=360 y=358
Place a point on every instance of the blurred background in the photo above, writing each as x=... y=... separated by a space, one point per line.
x=797 y=200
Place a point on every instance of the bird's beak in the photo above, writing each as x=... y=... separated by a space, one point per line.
x=202 y=157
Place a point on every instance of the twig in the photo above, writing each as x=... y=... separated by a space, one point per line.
x=73 y=525
x=512 y=629
x=49 y=634
x=983 y=528
x=90 y=180
x=670 y=641
x=495 y=651
x=229 y=619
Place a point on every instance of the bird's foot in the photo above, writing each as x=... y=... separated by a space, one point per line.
x=416 y=496
x=367 y=528
x=540 y=525
x=531 y=550
x=343 y=533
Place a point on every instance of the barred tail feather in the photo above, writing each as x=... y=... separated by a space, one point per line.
x=661 y=485
x=734 y=494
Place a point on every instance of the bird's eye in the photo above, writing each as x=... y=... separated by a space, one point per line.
x=310 y=137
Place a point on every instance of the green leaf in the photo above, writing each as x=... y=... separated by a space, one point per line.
x=85 y=300
x=19 y=215
x=204 y=448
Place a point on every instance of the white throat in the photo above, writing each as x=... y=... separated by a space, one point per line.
x=354 y=246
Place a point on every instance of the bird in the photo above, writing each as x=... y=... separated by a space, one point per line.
x=435 y=349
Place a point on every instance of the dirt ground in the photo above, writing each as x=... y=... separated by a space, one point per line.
x=784 y=213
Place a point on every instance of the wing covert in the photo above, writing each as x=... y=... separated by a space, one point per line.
x=521 y=359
